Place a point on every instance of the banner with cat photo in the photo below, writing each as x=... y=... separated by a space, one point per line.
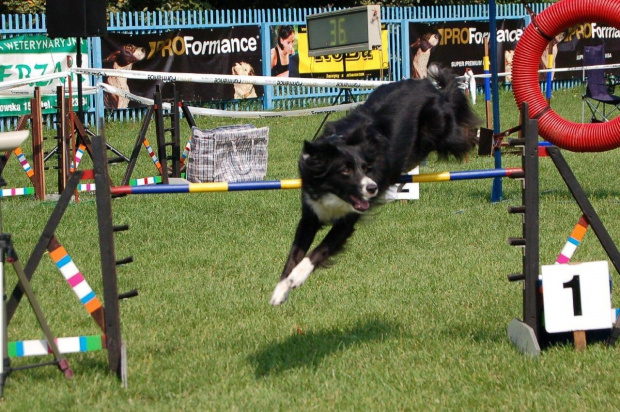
x=233 y=50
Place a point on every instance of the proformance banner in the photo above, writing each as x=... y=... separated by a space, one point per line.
x=460 y=45
x=22 y=57
x=235 y=50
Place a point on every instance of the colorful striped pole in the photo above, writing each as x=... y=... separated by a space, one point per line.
x=65 y=345
x=78 y=283
x=79 y=153
x=86 y=187
x=17 y=191
x=152 y=154
x=153 y=180
x=573 y=241
x=24 y=162
x=186 y=151
x=296 y=183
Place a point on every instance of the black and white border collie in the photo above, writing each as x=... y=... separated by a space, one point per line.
x=347 y=169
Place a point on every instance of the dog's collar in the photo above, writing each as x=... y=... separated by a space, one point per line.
x=245 y=96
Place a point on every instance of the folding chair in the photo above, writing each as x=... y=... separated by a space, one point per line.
x=597 y=95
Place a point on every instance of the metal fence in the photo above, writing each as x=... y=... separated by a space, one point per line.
x=397 y=20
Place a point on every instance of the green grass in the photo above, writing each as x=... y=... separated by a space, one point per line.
x=412 y=316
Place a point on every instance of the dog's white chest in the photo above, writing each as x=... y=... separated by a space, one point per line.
x=329 y=207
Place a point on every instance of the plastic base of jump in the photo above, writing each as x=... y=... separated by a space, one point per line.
x=523 y=337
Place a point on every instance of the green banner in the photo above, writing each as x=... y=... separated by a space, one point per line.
x=25 y=57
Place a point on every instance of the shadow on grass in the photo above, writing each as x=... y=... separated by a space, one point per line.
x=309 y=349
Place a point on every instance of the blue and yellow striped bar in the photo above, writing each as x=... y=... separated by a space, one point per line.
x=296 y=183
x=512 y=172
x=65 y=345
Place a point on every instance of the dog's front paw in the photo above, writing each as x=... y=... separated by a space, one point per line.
x=280 y=293
x=300 y=274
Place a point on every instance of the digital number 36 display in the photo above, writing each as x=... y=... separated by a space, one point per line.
x=344 y=31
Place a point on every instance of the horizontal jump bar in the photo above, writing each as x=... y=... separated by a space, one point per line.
x=296 y=183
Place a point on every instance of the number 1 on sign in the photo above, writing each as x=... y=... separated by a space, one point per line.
x=575 y=285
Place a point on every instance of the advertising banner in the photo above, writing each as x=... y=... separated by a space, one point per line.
x=568 y=46
x=460 y=45
x=234 y=50
x=23 y=57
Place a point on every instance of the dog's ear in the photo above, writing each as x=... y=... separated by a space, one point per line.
x=309 y=150
x=112 y=57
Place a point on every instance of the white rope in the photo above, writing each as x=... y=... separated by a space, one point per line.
x=22 y=82
x=49 y=91
x=234 y=114
x=230 y=79
x=556 y=70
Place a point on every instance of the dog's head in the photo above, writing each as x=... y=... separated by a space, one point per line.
x=243 y=69
x=127 y=55
x=337 y=175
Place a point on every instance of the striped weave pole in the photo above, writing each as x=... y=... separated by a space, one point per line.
x=186 y=151
x=153 y=180
x=65 y=345
x=78 y=283
x=79 y=153
x=152 y=154
x=296 y=183
x=17 y=191
x=86 y=187
x=573 y=241
x=24 y=162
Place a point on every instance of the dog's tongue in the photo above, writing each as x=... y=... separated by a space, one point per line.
x=360 y=205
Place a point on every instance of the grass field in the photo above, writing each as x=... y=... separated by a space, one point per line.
x=412 y=316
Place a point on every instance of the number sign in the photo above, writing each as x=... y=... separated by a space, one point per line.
x=576 y=297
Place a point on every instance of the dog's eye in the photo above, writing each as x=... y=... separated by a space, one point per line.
x=346 y=171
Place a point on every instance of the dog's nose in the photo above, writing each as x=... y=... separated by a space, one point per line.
x=372 y=188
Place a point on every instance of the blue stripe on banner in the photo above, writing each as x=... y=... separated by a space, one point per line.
x=87 y=298
x=148 y=189
x=262 y=185
x=573 y=241
x=83 y=344
x=19 y=346
x=63 y=261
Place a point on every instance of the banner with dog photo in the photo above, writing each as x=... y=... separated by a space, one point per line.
x=459 y=45
x=23 y=57
x=232 y=50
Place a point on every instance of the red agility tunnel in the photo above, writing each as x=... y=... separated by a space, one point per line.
x=577 y=137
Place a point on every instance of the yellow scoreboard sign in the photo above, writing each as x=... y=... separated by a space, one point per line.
x=373 y=64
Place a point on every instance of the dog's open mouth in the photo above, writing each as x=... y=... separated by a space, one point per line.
x=360 y=205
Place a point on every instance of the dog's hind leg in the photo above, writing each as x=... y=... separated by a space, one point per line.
x=331 y=244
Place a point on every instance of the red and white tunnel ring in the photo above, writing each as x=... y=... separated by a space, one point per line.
x=577 y=137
